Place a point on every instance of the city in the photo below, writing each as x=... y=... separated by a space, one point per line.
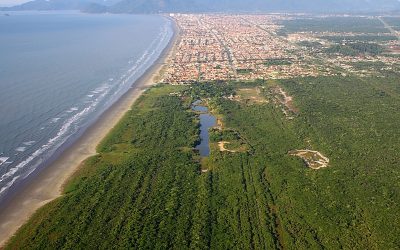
x=248 y=47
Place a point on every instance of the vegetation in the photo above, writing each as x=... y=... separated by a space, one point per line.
x=277 y=62
x=335 y=24
x=250 y=96
x=140 y=190
x=369 y=65
x=360 y=38
x=308 y=44
x=244 y=71
x=145 y=189
x=217 y=90
x=353 y=49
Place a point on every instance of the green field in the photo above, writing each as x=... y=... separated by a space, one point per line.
x=145 y=189
x=334 y=24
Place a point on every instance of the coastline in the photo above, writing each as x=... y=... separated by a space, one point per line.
x=48 y=184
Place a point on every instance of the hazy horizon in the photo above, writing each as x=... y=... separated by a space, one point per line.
x=9 y=3
x=207 y=5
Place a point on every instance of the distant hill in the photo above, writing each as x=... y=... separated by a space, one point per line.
x=154 y=6
x=157 y=6
x=61 y=5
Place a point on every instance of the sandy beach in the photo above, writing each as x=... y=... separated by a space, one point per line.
x=48 y=184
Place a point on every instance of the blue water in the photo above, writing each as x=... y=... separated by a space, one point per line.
x=59 y=72
x=207 y=121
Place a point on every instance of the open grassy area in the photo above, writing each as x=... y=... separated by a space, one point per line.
x=147 y=189
x=250 y=95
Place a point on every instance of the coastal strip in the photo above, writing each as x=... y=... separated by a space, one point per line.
x=48 y=185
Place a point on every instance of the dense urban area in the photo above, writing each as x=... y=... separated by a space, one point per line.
x=249 y=47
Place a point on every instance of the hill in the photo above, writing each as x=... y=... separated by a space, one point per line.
x=60 y=5
x=254 y=5
x=157 y=6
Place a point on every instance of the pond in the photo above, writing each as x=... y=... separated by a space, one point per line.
x=207 y=121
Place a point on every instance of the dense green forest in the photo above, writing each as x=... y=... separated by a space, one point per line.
x=356 y=48
x=360 y=38
x=334 y=24
x=145 y=189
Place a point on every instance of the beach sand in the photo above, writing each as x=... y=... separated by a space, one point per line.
x=48 y=184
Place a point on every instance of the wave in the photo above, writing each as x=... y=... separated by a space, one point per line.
x=20 y=149
x=9 y=184
x=3 y=160
x=73 y=109
x=29 y=143
x=52 y=143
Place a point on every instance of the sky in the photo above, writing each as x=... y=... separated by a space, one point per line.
x=12 y=2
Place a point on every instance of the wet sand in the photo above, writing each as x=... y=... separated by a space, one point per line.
x=48 y=184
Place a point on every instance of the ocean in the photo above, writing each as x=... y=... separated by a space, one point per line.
x=59 y=71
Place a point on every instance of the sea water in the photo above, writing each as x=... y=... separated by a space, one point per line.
x=59 y=71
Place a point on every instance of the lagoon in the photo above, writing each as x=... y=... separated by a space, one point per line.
x=207 y=121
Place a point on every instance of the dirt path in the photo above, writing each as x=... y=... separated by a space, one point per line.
x=388 y=27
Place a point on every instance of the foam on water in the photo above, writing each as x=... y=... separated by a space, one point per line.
x=56 y=119
x=29 y=143
x=3 y=160
x=20 y=149
x=71 y=110
x=9 y=184
x=53 y=143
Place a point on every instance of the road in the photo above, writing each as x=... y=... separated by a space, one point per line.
x=387 y=26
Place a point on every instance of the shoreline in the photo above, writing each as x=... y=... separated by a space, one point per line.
x=48 y=184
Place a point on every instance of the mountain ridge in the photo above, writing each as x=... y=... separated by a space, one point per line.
x=166 y=6
x=60 y=5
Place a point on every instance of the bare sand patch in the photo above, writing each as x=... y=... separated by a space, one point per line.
x=313 y=159
x=222 y=148
x=283 y=98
